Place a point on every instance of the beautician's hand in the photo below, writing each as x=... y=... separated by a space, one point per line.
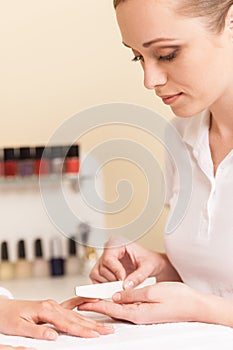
x=163 y=302
x=130 y=262
x=26 y=318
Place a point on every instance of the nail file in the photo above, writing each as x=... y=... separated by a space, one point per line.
x=106 y=290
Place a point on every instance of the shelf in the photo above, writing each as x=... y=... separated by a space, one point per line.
x=44 y=288
x=52 y=178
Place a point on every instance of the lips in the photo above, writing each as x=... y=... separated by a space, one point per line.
x=169 y=99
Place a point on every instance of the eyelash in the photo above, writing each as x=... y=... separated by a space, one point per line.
x=169 y=57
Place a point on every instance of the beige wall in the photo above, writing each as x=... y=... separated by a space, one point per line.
x=57 y=58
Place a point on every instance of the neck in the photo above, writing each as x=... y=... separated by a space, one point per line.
x=222 y=116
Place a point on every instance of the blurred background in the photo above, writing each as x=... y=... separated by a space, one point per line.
x=59 y=57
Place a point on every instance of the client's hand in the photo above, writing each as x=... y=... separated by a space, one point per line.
x=26 y=318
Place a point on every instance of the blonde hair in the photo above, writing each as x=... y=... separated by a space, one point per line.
x=214 y=12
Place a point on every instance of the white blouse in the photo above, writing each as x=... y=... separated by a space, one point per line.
x=201 y=246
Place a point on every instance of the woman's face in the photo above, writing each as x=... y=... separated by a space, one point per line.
x=188 y=66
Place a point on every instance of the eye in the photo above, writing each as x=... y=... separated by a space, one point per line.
x=137 y=58
x=169 y=57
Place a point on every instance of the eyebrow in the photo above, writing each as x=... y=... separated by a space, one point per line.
x=149 y=43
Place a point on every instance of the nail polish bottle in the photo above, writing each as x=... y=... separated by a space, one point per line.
x=1 y=163
x=82 y=238
x=40 y=266
x=6 y=267
x=23 y=267
x=73 y=263
x=89 y=255
x=72 y=160
x=90 y=259
x=41 y=161
x=84 y=232
x=26 y=163
x=57 y=260
x=56 y=160
x=10 y=164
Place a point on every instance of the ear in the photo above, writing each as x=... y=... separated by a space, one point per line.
x=229 y=21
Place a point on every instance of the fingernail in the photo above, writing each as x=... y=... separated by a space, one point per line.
x=50 y=335
x=116 y=297
x=129 y=285
x=120 y=277
x=96 y=334
x=108 y=326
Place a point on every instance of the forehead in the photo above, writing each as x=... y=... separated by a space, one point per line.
x=144 y=20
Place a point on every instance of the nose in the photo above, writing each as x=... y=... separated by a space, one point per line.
x=153 y=75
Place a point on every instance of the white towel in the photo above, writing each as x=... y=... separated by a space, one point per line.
x=6 y=293
x=169 y=336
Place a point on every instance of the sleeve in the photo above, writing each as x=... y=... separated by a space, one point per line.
x=5 y=293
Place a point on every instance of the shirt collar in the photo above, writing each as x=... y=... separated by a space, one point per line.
x=196 y=135
x=196 y=131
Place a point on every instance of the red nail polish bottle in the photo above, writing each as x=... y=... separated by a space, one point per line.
x=10 y=164
x=26 y=162
x=72 y=160
x=1 y=163
x=41 y=160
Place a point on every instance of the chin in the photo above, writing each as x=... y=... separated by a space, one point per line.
x=186 y=112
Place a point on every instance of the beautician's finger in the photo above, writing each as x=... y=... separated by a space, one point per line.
x=102 y=277
x=150 y=294
x=95 y=274
x=112 y=264
x=110 y=309
x=99 y=279
x=107 y=274
x=128 y=296
x=135 y=313
x=138 y=276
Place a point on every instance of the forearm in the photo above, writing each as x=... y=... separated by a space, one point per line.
x=168 y=272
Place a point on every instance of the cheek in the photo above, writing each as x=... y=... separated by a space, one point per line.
x=197 y=75
x=200 y=90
